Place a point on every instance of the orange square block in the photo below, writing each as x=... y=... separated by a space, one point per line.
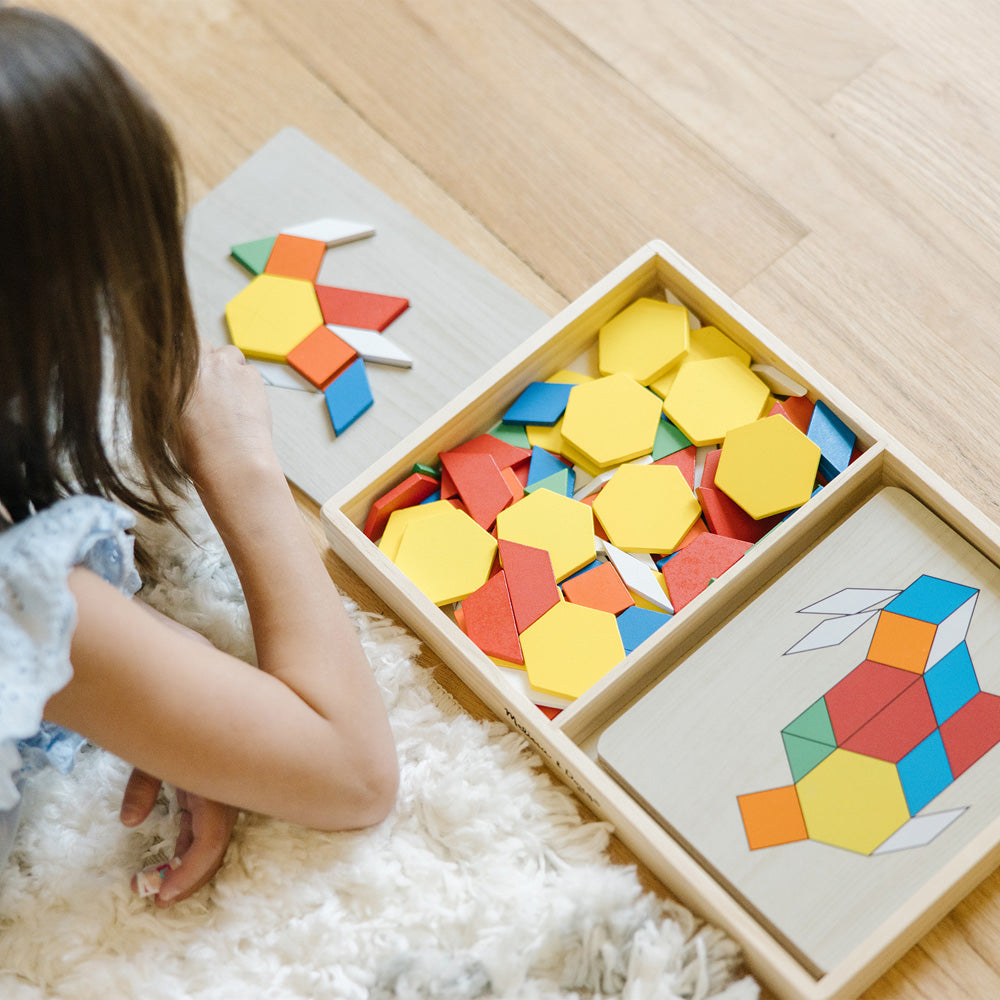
x=600 y=588
x=295 y=257
x=321 y=357
x=900 y=641
x=772 y=817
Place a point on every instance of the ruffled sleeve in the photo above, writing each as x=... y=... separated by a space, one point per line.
x=37 y=619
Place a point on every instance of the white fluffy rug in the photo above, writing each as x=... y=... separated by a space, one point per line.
x=483 y=882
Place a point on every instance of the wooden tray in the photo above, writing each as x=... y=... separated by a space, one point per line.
x=569 y=744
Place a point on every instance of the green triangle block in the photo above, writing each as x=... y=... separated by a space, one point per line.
x=512 y=434
x=558 y=482
x=803 y=755
x=253 y=255
x=669 y=439
x=427 y=470
x=813 y=724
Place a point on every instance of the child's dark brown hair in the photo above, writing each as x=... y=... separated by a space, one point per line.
x=92 y=288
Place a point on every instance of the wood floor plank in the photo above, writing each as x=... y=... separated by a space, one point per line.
x=925 y=124
x=551 y=149
x=226 y=85
x=813 y=48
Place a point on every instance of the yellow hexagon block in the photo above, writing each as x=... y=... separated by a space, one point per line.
x=447 y=555
x=400 y=520
x=852 y=801
x=647 y=508
x=609 y=421
x=704 y=343
x=562 y=526
x=570 y=648
x=644 y=340
x=272 y=315
x=709 y=398
x=768 y=467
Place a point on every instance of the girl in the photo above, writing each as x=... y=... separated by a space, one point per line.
x=94 y=307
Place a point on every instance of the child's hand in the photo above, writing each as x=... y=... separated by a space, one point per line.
x=226 y=424
x=206 y=828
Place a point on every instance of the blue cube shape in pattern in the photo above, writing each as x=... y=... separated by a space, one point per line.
x=929 y=599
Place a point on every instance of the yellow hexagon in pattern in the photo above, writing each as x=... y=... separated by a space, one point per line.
x=709 y=398
x=447 y=555
x=562 y=526
x=272 y=315
x=768 y=467
x=570 y=648
x=647 y=508
x=644 y=340
x=852 y=801
x=609 y=421
x=703 y=343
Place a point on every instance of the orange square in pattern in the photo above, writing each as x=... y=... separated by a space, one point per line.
x=295 y=257
x=321 y=357
x=772 y=817
x=902 y=642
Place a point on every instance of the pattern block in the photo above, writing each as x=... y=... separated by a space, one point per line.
x=703 y=343
x=447 y=556
x=539 y=403
x=295 y=257
x=558 y=524
x=254 y=254
x=346 y=307
x=645 y=340
x=647 y=508
x=321 y=357
x=348 y=396
x=768 y=467
x=481 y=486
x=609 y=421
x=272 y=315
x=531 y=584
x=636 y=625
x=709 y=398
x=489 y=620
x=570 y=648
x=600 y=588
x=691 y=570
x=834 y=437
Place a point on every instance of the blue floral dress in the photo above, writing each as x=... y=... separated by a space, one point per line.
x=37 y=618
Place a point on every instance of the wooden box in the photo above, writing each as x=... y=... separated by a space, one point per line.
x=569 y=744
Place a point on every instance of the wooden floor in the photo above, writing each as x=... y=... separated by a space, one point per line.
x=831 y=164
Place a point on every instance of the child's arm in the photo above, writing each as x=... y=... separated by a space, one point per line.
x=304 y=738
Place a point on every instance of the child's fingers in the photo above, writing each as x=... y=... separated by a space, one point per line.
x=201 y=847
x=140 y=795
